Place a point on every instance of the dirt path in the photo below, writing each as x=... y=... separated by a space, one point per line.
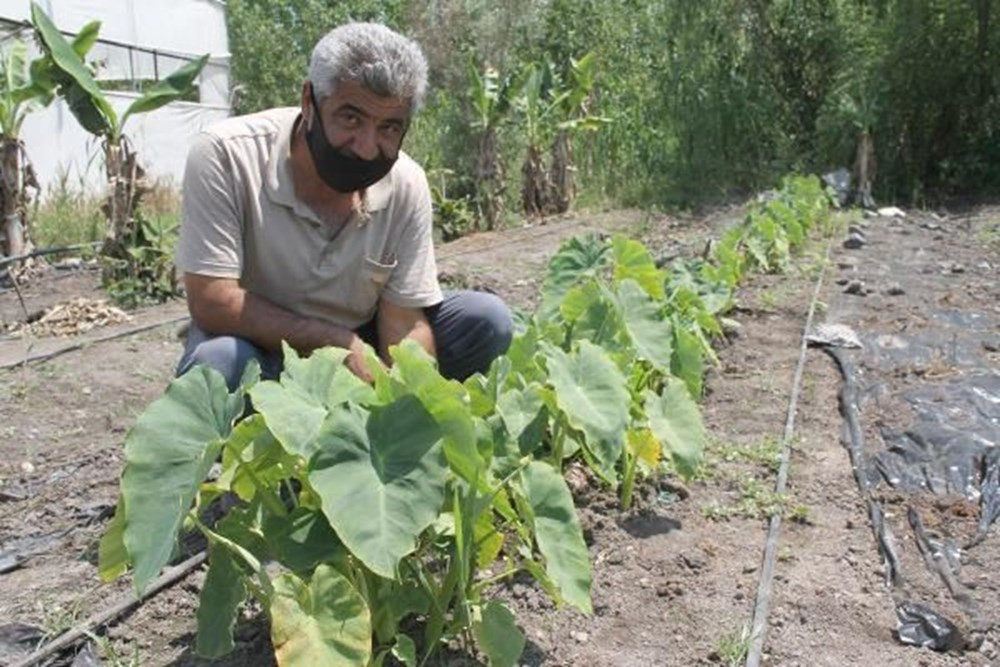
x=675 y=583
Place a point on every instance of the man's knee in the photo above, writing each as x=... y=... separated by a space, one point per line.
x=495 y=324
x=471 y=329
x=229 y=355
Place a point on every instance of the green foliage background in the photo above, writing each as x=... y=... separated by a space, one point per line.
x=709 y=99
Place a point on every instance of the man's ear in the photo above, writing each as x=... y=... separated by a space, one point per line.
x=305 y=100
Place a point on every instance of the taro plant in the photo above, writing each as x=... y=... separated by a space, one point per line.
x=64 y=67
x=366 y=520
x=600 y=356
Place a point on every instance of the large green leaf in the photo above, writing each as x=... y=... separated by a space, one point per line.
x=15 y=66
x=168 y=453
x=632 y=260
x=558 y=533
x=296 y=407
x=381 y=478
x=600 y=322
x=77 y=86
x=593 y=394
x=446 y=400
x=324 y=622
x=85 y=38
x=112 y=559
x=687 y=362
x=221 y=596
x=675 y=420
x=498 y=635
x=650 y=333
x=578 y=258
x=167 y=90
x=302 y=539
x=519 y=408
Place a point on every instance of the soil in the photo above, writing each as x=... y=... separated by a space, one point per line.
x=675 y=578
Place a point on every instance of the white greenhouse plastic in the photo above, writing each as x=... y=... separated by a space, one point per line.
x=140 y=40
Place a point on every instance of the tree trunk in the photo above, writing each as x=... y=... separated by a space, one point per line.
x=563 y=187
x=490 y=180
x=12 y=197
x=125 y=188
x=534 y=185
x=864 y=169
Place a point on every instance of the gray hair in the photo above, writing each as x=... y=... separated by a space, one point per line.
x=383 y=61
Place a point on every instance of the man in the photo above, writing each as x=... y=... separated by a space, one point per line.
x=310 y=225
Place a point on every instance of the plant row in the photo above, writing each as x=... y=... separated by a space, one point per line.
x=374 y=520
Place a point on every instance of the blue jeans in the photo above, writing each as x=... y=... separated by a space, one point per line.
x=471 y=329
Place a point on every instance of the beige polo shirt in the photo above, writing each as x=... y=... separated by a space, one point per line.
x=241 y=220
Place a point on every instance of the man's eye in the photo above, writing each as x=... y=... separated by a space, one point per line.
x=393 y=130
x=348 y=119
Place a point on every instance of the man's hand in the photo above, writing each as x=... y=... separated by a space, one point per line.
x=356 y=361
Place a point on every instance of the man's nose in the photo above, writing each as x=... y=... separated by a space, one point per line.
x=365 y=143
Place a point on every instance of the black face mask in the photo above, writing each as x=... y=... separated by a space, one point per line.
x=342 y=172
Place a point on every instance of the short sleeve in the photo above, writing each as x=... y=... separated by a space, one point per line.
x=414 y=282
x=211 y=235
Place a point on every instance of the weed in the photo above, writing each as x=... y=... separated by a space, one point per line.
x=767 y=453
x=800 y=514
x=757 y=501
x=57 y=619
x=110 y=655
x=733 y=647
x=769 y=300
x=68 y=214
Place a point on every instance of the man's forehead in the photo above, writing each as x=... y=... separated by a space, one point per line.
x=353 y=94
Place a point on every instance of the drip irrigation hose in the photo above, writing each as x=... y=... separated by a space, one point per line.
x=4 y=261
x=766 y=581
x=81 y=344
x=70 y=637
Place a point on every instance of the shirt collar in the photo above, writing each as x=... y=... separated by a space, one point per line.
x=281 y=188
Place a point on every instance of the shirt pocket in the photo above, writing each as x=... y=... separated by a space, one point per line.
x=371 y=280
x=377 y=272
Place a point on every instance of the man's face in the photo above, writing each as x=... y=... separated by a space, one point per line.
x=360 y=123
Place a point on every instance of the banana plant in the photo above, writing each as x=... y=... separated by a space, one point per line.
x=64 y=68
x=552 y=109
x=22 y=94
x=490 y=96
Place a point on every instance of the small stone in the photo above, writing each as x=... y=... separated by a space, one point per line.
x=694 y=560
x=740 y=595
x=27 y=467
x=615 y=558
x=579 y=636
x=855 y=287
x=849 y=524
x=891 y=212
x=854 y=241
x=957 y=268
x=895 y=289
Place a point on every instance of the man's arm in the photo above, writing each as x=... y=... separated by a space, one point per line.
x=220 y=306
x=397 y=322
